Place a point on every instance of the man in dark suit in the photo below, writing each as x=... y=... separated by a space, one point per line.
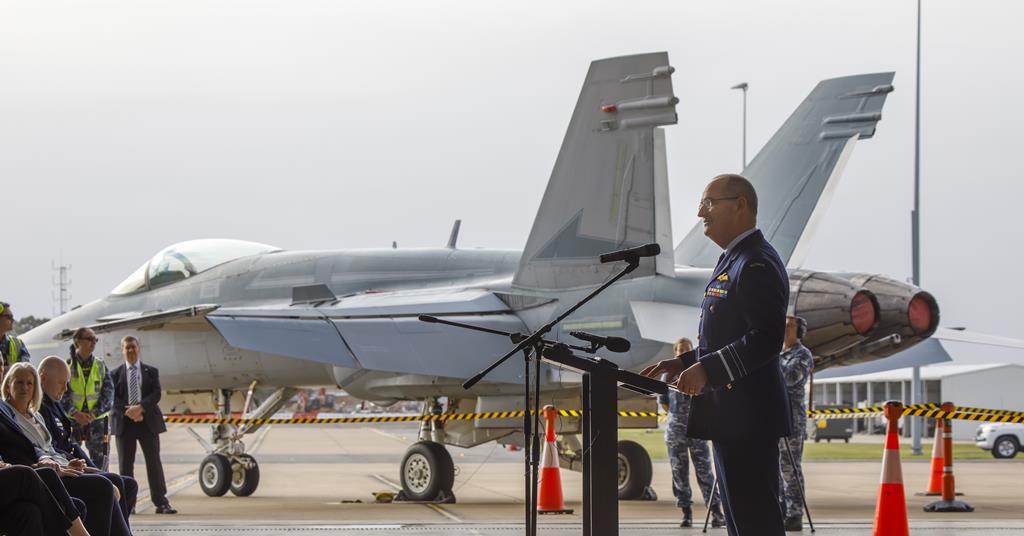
x=741 y=403
x=135 y=418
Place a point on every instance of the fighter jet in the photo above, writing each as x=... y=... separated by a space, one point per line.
x=222 y=317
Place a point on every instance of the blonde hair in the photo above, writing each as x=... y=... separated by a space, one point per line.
x=37 y=396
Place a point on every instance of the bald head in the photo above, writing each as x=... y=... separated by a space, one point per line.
x=738 y=185
x=53 y=376
x=728 y=208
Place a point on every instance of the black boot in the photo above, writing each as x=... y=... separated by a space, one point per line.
x=794 y=524
x=687 y=517
x=717 y=517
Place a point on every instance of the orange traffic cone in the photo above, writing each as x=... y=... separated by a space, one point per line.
x=891 y=510
x=948 y=503
x=549 y=498
x=935 y=482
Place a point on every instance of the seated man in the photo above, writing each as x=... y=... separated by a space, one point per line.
x=53 y=376
x=19 y=425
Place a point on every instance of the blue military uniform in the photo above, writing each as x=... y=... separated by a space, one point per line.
x=744 y=408
x=797 y=364
x=678 y=444
x=60 y=428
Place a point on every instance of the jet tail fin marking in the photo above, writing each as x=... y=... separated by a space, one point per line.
x=608 y=189
x=797 y=171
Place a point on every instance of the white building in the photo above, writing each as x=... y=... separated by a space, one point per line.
x=966 y=374
x=979 y=386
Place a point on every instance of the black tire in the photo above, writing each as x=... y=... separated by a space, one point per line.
x=245 y=481
x=635 y=470
x=215 y=475
x=1005 y=447
x=817 y=440
x=846 y=440
x=427 y=470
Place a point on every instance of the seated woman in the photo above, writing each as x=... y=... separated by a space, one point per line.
x=31 y=508
x=22 y=396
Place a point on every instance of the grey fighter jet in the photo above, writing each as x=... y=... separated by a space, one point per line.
x=221 y=317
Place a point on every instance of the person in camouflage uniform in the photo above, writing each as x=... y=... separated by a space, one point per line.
x=797 y=363
x=678 y=406
x=89 y=397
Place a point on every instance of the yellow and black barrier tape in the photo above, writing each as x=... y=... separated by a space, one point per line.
x=384 y=418
x=925 y=410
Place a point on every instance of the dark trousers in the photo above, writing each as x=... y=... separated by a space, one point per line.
x=129 y=489
x=139 y=434
x=104 y=516
x=748 y=476
x=29 y=507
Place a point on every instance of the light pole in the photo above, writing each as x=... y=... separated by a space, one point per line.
x=915 y=238
x=743 y=86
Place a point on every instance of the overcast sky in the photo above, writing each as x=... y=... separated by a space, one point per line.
x=128 y=126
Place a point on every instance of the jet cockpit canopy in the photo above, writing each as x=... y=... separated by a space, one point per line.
x=186 y=259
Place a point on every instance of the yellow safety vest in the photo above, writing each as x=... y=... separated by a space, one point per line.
x=85 y=392
x=13 y=350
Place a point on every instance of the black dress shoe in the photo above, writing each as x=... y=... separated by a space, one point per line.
x=687 y=518
x=166 y=509
x=794 y=524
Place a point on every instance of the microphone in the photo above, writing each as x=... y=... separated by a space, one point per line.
x=613 y=344
x=632 y=254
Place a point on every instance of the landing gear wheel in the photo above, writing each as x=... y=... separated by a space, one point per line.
x=634 y=470
x=1005 y=447
x=215 y=475
x=427 y=473
x=244 y=480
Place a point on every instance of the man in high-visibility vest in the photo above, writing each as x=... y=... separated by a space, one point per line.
x=12 y=350
x=89 y=397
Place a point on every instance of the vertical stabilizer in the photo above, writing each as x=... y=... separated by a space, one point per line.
x=797 y=171
x=609 y=186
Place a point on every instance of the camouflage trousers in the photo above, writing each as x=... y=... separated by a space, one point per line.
x=678 y=446
x=792 y=477
x=96 y=442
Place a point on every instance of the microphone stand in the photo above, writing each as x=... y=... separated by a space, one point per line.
x=534 y=344
x=531 y=440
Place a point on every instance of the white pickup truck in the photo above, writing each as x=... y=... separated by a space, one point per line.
x=1002 y=438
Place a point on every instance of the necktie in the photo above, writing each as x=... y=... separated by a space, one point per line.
x=133 y=386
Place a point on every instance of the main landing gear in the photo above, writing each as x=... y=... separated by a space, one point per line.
x=227 y=467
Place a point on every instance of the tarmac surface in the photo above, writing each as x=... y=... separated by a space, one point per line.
x=318 y=480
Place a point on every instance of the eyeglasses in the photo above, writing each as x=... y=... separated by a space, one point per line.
x=708 y=202
x=88 y=339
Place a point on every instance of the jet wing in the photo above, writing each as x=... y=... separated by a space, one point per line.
x=381 y=332
x=181 y=317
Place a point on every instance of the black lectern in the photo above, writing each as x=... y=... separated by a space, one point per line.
x=601 y=378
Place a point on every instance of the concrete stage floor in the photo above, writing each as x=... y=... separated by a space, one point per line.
x=318 y=480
